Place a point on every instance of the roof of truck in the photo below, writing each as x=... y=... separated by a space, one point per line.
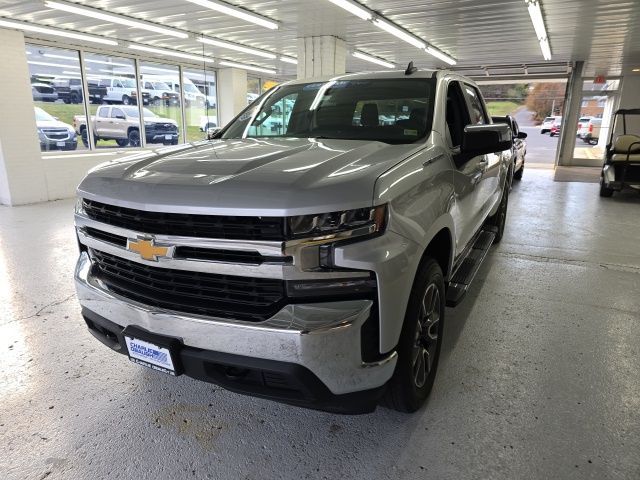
x=368 y=75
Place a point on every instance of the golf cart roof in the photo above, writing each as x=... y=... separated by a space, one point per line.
x=628 y=111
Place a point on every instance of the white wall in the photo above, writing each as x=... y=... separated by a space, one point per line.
x=22 y=178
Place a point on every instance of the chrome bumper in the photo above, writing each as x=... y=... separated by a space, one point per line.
x=323 y=337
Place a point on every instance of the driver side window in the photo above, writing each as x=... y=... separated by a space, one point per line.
x=457 y=115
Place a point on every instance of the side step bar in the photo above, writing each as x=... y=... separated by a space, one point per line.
x=468 y=267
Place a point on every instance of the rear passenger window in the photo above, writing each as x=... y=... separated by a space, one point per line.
x=476 y=110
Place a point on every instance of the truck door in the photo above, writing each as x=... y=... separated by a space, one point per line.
x=468 y=172
x=118 y=123
x=489 y=190
x=102 y=122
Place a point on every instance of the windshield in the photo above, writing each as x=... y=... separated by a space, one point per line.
x=133 y=112
x=395 y=110
x=549 y=119
x=42 y=116
x=191 y=88
x=161 y=86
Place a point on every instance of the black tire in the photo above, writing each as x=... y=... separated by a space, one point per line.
x=420 y=341
x=126 y=100
x=604 y=191
x=85 y=138
x=518 y=174
x=122 y=142
x=593 y=141
x=134 y=138
x=499 y=219
x=75 y=98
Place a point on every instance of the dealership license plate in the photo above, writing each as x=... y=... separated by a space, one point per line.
x=150 y=355
x=168 y=137
x=60 y=144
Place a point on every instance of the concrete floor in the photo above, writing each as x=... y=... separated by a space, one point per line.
x=539 y=379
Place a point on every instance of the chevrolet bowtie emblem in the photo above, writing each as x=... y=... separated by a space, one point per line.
x=147 y=249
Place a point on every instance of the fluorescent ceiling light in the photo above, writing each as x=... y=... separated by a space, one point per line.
x=114 y=18
x=47 y=64
x=247 y=67
x=113 y=64
x=61 y=57
x=235 y=46
x=441 y=55
x=354 y=7
x=372 y=59
x=538 y=24
x=636 y=70
x=399 y=32
x=67 y=72
x=171 y=53
x=55 y=32
x=291 y=60
x=237 y=12
x=546 y=50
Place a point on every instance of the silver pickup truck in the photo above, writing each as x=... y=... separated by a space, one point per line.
x=309 y=263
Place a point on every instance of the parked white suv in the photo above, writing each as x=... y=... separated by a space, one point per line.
x=122 y=90
x=548 y=122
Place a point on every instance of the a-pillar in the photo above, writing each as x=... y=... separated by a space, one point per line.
x=320 y=56
x=22 y=178
x=232 y=90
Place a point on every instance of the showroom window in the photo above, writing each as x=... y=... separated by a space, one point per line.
x=178 y=103
x=163 y=112
x=114 y=98
x=199 y=90
x=56 y=87
x=268 y=85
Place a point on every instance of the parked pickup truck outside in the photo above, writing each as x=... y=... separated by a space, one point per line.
x=308 y=264
x=122 y=124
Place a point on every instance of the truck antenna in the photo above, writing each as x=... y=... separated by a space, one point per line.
x=410 y=69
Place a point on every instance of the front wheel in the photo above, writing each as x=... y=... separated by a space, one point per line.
x=420 y=341
x=604 y=190
x=134 y=138
x=499 y=220
x=126 y=100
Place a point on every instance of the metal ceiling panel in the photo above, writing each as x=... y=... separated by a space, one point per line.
x=477 y=33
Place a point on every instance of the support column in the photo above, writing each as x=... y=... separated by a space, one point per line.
x=320 y=56
x=232 y=93
x=570 y=116
x=22 y=178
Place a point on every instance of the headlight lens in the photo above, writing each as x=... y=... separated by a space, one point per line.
x=369 y=219
x=79 y=205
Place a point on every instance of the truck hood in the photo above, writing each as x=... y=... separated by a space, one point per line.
x=52 y=124
x=278 y=177
x=159 y=120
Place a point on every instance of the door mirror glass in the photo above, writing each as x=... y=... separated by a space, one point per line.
x=522 y=135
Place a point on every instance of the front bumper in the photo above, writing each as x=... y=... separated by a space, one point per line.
x=166 y=138
x=48 y=145
x=318 y=345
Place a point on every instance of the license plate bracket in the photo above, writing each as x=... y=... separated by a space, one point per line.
x=154 y=351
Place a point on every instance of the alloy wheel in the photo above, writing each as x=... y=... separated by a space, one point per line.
x=426 y=337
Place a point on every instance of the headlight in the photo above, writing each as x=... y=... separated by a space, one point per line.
x=361 y=221
x=79 y=205
x=42 y=136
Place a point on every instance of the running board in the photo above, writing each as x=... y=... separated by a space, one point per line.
x=467 y=269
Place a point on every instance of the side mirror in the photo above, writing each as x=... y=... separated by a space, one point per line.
x=212 y=132
x=522 y=135
x=483 y=139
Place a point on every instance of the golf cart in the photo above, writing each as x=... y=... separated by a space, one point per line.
x=622 y=161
